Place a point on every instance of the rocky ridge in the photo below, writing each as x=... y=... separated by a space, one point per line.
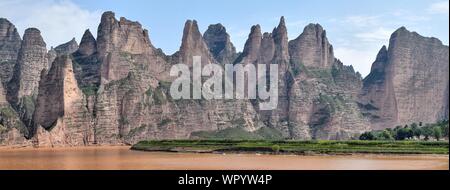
x=113 y=89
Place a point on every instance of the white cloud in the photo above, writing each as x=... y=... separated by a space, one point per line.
x=362 y=20
x=380 y=34
x=58 y=20
x=439 y=8
x=360 y=59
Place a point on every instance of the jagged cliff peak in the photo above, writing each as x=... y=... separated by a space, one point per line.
x=280 y=37
x=382 y=54
x=281 y=28
x=408 y=82
x=254 y=39
x=255 y=30
x=67 y=48
x=8 y=30
x=312 y=47
x=10 y=43
x=252 y=45
x=219 y=43
x=32 y=36
x=88 y=44
x=404 y=33
x=193 y=44
x=126 y=35
x=190 y=32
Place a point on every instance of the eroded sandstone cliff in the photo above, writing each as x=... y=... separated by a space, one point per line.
x=114 y=89
x=408 y=82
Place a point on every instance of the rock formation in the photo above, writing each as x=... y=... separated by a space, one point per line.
x=10 y=43
x=114 y=89
x=323 y=92
x=66 y=121
x=312 y=48
x=88 y=44
x=408 y=82
x=219 y=43
x=67 y=48
x=23 y=87
x=193 y=44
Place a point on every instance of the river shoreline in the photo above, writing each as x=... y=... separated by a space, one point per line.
x=187 y=151
x=123 y=158
x=295 y=147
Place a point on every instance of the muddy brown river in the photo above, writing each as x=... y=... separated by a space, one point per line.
x=121 y=158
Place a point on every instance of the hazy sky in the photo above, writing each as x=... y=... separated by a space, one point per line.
x=357 y=29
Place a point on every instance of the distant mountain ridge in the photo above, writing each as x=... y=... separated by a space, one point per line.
x=113 y=89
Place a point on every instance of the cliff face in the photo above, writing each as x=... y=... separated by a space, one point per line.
x=66 y=121
x=408 y=82
x=12 y=130
x=219 y=43
x=114 y=89
x=87 y=64
x=323 y=91
x=193 y=44
x=139 y=106
x=312 y=48
x=67 y=48
x=23 y=87
x=10 y=43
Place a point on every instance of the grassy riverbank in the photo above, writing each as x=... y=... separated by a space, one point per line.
x=295 y=147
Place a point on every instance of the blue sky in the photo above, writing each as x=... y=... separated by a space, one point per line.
x=357 y=29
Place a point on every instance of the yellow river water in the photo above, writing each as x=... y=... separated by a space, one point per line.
x=121 y=158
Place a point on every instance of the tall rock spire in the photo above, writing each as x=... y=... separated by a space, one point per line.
x=251 y=48
x=88 y=44
x=10 y=43
x=117 y=40
x=280 y=37
x=193 y=44
x=66 y=119
x=219 y=43
x=31 y=61
x=23 y=87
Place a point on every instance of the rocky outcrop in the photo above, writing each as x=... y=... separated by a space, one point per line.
x=219 y=43
x=323 y=92
x=346 y=78
x=66 y=121
x=193 y=44
x=23 y=87
x=312 y=48
x=119 y=40
x=271 y=48
x=139 y=107
x=115 y=89
x=87 y=64
x=67 y=48
x=31 y=61
x=88 y=44
x=130 y=67
x=64 y=49
x=408 y=82
x=10 y=43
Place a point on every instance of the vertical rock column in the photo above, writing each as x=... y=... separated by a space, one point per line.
x=23 y=87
